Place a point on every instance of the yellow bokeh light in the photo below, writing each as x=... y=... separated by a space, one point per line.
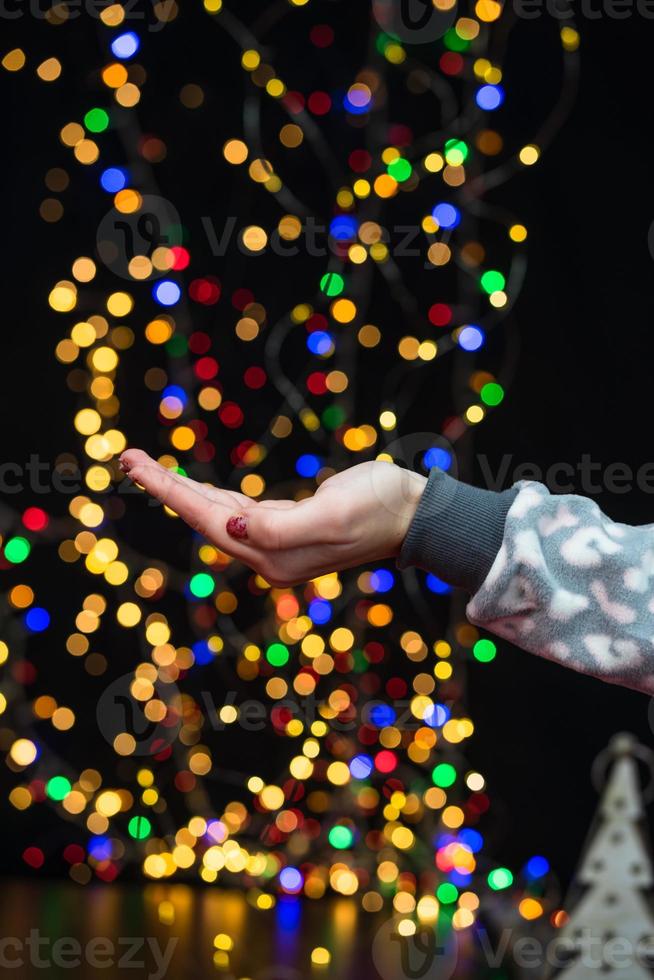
x=63 y=297
x=530 y=908
x=128 y=614
x=386 y=186
x=570 y=38
x=320 y=956
x=344 y=310
x=251 y=60
x=23 y=752
x=49 y=70
x=87 y=421
x=488 y=10
x=14 y=60
x=108 y=803
x=120 y=304
x=254 y=238
x=235 y=151
x=183 y=438
x=113 y=16
x=529 y=155
x=517 y=233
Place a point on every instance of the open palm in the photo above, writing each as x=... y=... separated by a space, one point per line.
x=357 y=516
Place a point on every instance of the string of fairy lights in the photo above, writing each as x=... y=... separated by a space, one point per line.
x=366 y=806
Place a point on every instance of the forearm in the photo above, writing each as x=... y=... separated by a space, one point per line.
x=552 y=574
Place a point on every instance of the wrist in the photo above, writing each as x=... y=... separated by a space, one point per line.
x=413 y=487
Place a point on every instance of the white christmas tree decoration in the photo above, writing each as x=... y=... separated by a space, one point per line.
x=610 y=932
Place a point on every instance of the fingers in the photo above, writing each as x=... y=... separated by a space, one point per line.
x=205 y=509
x=186 y=497
x=251 y=532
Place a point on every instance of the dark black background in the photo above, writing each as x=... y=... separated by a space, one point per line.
x=583 y=380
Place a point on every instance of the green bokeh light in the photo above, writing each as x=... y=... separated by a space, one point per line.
x=384 y=40
x=447 y=893
x=332 y=417
x=341 y=837
x=492 y=393
x=500 y=878
x=456 y=152
x=202 y=585
x=400 y=169
x=139 y=828
x=454 y=41
x=492 y=280
x=484 y=651
x=332 y=284
x=17 y=550
x=96 y=120
x=177 y=346
x=58 y=788
x=444 y=775
x=277 y=654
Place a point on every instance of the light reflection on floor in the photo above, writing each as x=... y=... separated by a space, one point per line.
x=169 y=933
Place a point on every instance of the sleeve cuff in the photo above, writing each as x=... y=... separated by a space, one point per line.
x=457 y=530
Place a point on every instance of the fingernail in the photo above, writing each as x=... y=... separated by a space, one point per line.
x=124 y=465
x=237 y=527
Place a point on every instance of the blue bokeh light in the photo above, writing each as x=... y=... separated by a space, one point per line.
x=537 y=867
x=471 y=338
x=356 y=110
x=320 y=342
x=113 y=179
x=125 y=45
x=175 y=391
x=291 y=879
x=320 y=611
x=307 y=465
x=343 y=228
x=361 y=766
x=446 y=215
x=37 y=619
x=437 y=457
x=167 y=292
x=437 y=586
x=472 y=839
x=382 y=715
x=201 y=650
x=436 y=715
x=382 y=580
x=100 y=848
x=490 y=97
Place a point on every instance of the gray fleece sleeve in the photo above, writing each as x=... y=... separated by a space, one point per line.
x=565 y=581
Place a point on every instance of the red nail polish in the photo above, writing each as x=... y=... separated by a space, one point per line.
x=237 y=527
x=124 y=465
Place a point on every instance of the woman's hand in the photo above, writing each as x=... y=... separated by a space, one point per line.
x=360 y=515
